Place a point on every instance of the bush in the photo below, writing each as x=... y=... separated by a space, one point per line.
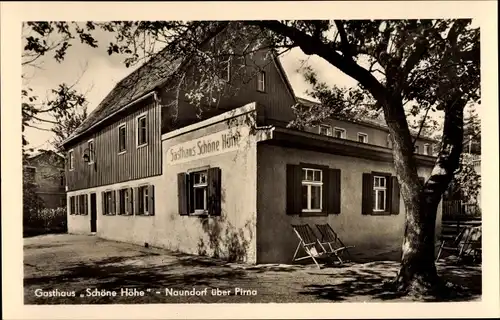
x=47 y=220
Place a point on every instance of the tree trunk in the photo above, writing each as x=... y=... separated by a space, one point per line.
x=418 y=271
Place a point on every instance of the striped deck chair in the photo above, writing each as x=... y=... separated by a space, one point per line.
x=331 y=244
x=307 y=241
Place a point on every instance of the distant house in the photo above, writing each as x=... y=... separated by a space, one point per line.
x=231 y=183
x=46 y=170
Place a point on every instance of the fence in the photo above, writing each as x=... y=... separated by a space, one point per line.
x=458 y=210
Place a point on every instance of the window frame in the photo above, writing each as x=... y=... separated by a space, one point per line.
x=343 y=135
x=263 y=81
x=416 y=149
x=137 y=119
x=362 y=134
x=71 y=159
x=309 y=184
x=91 y=151
x=72 y=205
x=108 y=206
x=377 y=189
x=329 y=128
x=427 y=149
x=120 y=127
x=202 y=186
x=123 y=208
x=144 y=197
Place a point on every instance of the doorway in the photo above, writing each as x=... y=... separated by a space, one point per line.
x=93 y=213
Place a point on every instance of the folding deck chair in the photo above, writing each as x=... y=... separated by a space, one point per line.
x=331 y=243
x=308 y=241
x=458 y=245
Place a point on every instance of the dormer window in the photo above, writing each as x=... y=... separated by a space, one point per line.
x=427 y=149
x=362 y=137
x=339 y=133
x=325 y=130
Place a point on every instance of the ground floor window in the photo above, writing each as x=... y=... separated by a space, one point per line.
x=199 y=192
x=72 y=205
x=312 y=190
x=145 y=200
x=82 y=204
x=108 y=203
x=380 y=194
x=125 y=203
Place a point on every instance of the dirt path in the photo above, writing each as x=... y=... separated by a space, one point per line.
x=91 y=269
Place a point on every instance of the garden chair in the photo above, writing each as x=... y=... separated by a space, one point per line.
x=307 y=241
x=457 y=245
x=331 y=244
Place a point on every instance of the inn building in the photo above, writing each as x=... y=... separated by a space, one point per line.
x=231 y=183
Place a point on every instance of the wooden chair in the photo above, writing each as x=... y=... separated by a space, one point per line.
x=331 y=244
x=457 y=245
x=307 y=241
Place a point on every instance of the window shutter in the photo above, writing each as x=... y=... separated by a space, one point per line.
x=136 y=201
x=151 y=199
x=113 y=202
x=103 y=198
x=367 y=194
x=77 y=204
x=334 y=191
x=118 y=202
x=130 y=201
x=326 y=194
x=182 y=193
x=293 y=189
x=214 y=191
x=394 y=195
x=86 y=198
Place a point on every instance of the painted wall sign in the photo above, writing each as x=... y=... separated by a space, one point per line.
x=213 y=144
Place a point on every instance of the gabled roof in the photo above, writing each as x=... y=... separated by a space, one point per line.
x=137 y=84
x=43 y=152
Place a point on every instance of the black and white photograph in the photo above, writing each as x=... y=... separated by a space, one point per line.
x=233 y=159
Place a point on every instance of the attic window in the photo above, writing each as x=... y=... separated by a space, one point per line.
x=142 y=130
x=261 y=81
x=225 y=70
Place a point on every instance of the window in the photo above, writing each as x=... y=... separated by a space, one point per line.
x=325 y=130
x=142 y=131
x=125 y=203
x=389 y=141
x=122 y=138
x=62 y=179
x=144 y=200
x=108 y=203
x=225 y=70
x=339 y=133
x=427 y=149
x=261 y=81
x=71 y=160
x=199 y=192
x=72 y=205
x=380 y=193
x=312 y=190
x=416 y=150
x=91 y=151
x=362 y=137
x=82 y=204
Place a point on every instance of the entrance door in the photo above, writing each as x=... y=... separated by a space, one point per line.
x=93 y=213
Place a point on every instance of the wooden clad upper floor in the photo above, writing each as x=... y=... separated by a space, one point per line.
x=127 y=148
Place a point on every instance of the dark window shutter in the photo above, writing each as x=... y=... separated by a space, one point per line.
x=367 y=194
x=86 y=204
x=326 y=193
x=130 y=201
x=182 y=193
x=394 y=195
x=334 y=191
x=388 y=198
x=293 y=189
x=151 y=199
x=136 y=201
x=119 y=208
x=103 y=199
x=214 y=191
x=113 y=202
x=421 y=180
